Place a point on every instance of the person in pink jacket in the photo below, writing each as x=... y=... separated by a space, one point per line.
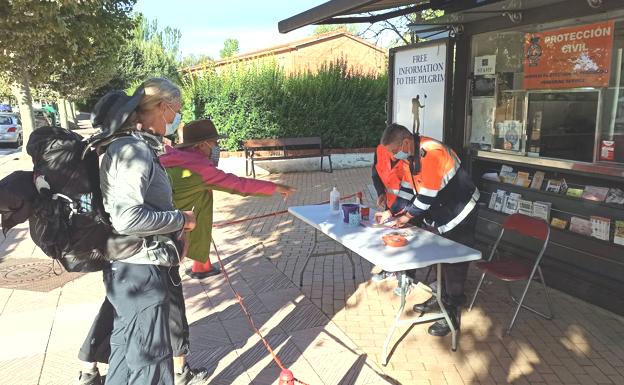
x=194 y=176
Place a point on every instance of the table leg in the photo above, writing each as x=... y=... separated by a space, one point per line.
x=443 y=309
x=404 y=284
x=348 y=252
x=307 y=259
x=443 y=314
x=312 y=254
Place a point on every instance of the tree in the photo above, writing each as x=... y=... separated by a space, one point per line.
x=5 y=89
x=55 y=41
x=324 y=28
x=399 y=26
x=193 y=60
x=230 y=48
x=151 y=52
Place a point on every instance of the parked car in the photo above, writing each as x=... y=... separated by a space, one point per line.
x=41 y=118
x=11 y=130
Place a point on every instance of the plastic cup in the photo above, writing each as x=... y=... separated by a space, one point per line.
x=365 y=211
x=349 y=208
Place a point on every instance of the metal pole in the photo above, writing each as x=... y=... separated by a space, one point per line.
x=616 y=96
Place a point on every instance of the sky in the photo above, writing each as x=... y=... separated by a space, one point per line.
x=206 y=24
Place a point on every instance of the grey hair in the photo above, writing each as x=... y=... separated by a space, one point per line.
x=394 y=134
x=157 y=90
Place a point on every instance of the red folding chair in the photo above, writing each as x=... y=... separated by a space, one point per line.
x=512 y=271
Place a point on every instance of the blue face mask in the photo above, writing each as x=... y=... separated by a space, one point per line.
x=215 y=155
x=170 y=128
x=401 y=155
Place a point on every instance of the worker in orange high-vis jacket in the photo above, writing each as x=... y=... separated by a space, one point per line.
x=446 y=200
x=393 y=193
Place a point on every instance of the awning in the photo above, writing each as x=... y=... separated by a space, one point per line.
x=359 y=11
x=367 y=11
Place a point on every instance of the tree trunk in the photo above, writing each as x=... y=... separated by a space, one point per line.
x=71 y=115
x=62 y=105
x=21 y=91
x=72 y=108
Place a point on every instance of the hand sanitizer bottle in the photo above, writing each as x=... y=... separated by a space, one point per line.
x=334 y=201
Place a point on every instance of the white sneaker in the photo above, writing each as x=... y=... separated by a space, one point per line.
x=382 y=276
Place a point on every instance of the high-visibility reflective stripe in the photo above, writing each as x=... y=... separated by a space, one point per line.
x=406 y=185
x=449 y=175
x=421 y=205
x=462 y=215
x=428 y=192
x=401 y=194
x=405 y=195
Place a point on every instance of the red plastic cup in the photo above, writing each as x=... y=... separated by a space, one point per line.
x=365 y=211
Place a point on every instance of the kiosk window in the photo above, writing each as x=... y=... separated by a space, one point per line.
x=562 y=124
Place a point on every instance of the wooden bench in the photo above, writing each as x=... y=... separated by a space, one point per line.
x=283 y=148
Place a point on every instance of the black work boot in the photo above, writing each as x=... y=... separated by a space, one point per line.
x=191 y=377
x=89 y=377
x=430 y=304
x=441 y=327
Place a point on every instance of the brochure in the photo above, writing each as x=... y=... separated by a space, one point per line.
x=500 y=198
x=522 y=179
x=542 y=210
x=525 y=207
x=554 y=185
x=538 y=180
x=492 y=203
x=564 y=186
x=600 y=227
x=574 y=192
x=618 y=237
x=581 y=226
x=616 y=196
x=594 y=193
x=559 y=223
x=507 y=175
x=511 y=203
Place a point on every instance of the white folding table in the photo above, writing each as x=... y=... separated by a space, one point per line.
x=424 y=249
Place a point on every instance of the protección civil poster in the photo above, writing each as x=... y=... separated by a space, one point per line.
x=572 y=57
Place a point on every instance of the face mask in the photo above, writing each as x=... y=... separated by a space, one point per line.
x=401 y=155
x=170 y=128
x=215 y=153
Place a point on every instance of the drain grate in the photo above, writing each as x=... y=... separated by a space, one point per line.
x=33 y=274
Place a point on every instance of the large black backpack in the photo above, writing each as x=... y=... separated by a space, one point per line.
x=68 y=221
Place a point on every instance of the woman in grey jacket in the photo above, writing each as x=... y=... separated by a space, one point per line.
x=138 y=197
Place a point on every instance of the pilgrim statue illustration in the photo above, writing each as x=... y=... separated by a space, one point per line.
x=416 y=106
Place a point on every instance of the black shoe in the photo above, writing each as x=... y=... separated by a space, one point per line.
x=205 y=274
x=191 y=377
x=430 y=304
x=441 y=328
x=89 y=378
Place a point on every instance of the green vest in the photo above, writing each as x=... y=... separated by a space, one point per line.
x=189 y=190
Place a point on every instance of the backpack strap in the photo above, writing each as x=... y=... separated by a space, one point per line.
x=100 y=145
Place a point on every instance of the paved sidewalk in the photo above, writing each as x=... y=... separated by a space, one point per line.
x=329 y=332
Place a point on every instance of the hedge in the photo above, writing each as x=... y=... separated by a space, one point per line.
x=344 y=108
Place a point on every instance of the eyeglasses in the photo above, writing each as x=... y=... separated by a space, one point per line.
x=173 y=109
